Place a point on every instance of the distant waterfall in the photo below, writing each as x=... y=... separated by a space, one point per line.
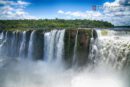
x=74 y=47
x=31 y=45
x=46 y=47
x=1 y=35
x=54 y=45
x=111 y=48
x=49 y=43
x=1 y=41
x=23 y=45
x=64 y=58
x=74 y=61
x=93 y=50
x=60 y=46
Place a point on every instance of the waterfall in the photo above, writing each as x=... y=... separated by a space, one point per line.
x=54 y=45
x=1 y=38
x=93 y=49
x=74 y=61
x=13 y=45
x=31 y=45
x=60 y=46
x=2 y=46
x=49 y=51
x=46 y=46
x=1 y=41
x=53 y=68
x=23 y=45
x=28 y=45
x=112 y=48
x=1 y=35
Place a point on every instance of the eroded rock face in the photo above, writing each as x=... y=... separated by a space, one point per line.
x=82 y=50
x=19 y=41
x=83 y=46
x=69 y=41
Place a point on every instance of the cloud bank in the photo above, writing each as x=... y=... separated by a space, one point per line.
x=14 y=10
x=117 y=12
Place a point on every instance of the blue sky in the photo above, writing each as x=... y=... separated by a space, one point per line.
x=115 y=11
x=49 y=8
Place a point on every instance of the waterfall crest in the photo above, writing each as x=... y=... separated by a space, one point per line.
x=111 y=48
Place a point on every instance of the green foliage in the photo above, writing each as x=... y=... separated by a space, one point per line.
x=51 y=24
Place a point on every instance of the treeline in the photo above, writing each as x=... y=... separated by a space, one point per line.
x=122 y=27
x=52 y=23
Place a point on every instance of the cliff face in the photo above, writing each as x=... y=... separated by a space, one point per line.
x=35 y=44
x=71 y=46
x=82 y=49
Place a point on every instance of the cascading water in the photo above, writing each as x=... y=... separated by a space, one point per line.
x=46 y=46
x=113 y=48
x=23 y=45
x=31 y=47
x=49 y=45
x=110 y=48
x=75 y=49
x=54 y=45
x=1 y=40
x=60 y=46
x=93 y=49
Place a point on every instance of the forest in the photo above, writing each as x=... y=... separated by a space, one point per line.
x=52 y=24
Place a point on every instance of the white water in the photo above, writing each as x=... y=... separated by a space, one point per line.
x=74 y=62
x=23 y=46
x=31 y=47
x=1 y=41
x=51 y=45
x=54 y=46
x=26 y=73
x=60 y=46
x=46 y=46
x=42 y=74
x=114 y=48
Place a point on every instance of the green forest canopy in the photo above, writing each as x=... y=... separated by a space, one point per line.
x=52 y=23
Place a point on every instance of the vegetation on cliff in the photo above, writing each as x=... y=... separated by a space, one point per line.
x=52 y=23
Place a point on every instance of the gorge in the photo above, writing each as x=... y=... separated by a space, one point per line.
x=64 y=58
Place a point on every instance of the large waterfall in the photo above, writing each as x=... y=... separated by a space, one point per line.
x=45 y=58
x=113 y=48
x=54 y=45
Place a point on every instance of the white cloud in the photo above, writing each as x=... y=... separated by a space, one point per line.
x=61 y=12
x=87 y=14
x=22 y=3
x=117 y=12
x=18 y=2
x=14 y=10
